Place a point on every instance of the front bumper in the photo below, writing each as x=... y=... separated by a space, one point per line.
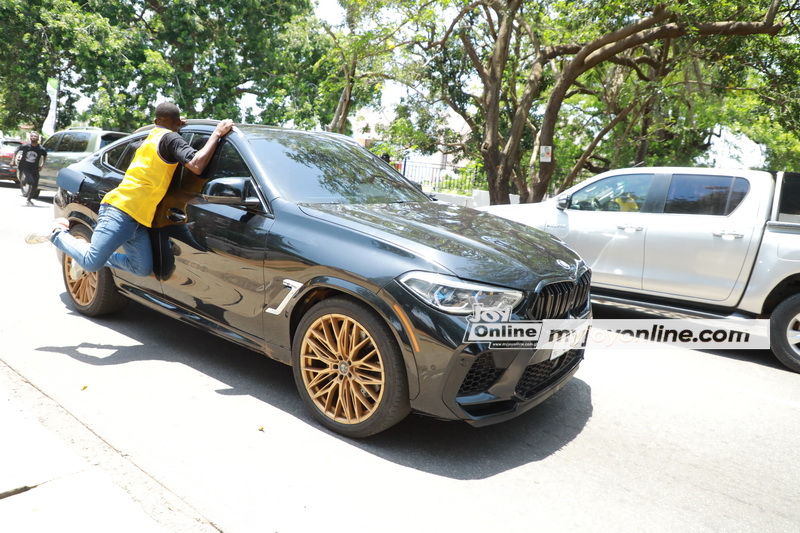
x=472 y=381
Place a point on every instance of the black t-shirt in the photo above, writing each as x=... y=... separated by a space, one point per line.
x=174 y=149
x=31 y=155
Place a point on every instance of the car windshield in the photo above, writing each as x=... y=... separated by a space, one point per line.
x=318 y=168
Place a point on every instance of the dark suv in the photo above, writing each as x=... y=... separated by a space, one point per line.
x=308 y=248
x=69 y=146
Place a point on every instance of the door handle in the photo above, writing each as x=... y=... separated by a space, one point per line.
x=728 y=235
x=176 y=215
x=630 y=229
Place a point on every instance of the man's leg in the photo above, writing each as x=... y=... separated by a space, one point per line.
x=114 y=229
x=33 y=180
x=24 y=179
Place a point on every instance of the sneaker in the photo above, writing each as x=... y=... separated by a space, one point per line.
x=59 y=224
x=29 y=203
x=75 y=271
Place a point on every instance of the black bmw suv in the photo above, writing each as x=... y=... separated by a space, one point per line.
x=309 y=249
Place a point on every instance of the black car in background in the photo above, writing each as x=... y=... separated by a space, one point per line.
x=308 y=248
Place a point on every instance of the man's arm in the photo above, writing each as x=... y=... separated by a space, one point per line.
x=203 y=156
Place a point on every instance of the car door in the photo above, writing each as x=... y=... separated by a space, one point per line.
x=698 y=246
x=210 y=257
x=606 y=223
x=109 y=170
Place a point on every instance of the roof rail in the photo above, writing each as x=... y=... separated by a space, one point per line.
x=84 y=128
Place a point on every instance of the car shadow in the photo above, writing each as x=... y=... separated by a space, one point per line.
x=450 y=449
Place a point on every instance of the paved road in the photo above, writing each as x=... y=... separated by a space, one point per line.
x=654 y=440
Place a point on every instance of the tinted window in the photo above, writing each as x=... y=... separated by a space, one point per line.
x=230 y=164
x=705 y=195
x=109 y=138
x=52 y=142
x=120 y=156
x=75 y=142
x=111 y=158
x=617 y=193
x=317 y=168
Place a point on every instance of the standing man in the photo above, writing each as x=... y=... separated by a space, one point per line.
x=30 y=158
x=127 y=211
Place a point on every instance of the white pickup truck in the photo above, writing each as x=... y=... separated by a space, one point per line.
x=696 y=241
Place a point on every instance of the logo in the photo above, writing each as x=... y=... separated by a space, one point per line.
x=563 y=264
x=494 y=326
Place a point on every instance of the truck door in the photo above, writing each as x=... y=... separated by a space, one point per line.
x=701 y=244
x=606 y=223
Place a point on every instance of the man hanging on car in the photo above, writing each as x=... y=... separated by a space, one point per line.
x=127 y=211
x=30 y=159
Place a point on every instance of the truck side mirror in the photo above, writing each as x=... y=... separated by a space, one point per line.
x=563 y=201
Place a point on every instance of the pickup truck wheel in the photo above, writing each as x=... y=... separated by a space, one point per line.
x=785 y=332
x=348 y=369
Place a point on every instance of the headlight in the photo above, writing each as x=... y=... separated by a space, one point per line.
x=452 y=295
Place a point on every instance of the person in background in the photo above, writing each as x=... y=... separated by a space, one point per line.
x=30 y=158
x=127 y=212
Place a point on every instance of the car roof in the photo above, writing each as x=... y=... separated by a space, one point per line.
x=255 y=128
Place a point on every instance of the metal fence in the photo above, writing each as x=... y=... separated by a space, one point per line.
x=439 y=178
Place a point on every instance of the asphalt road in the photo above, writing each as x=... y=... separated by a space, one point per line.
x=651 y=440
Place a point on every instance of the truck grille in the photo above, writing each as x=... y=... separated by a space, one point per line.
x=557 y=300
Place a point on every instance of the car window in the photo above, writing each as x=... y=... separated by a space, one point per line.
x=705 y=195
x=230 y=164
x=75 y=142
x=109 y=138
x=627 y=192
x=120 y=156
x=326 y=169
x=52 y=143
x=111 y=158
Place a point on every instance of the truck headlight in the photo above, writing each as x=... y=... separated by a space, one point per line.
x=453 y=295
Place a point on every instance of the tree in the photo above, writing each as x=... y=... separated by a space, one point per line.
x=511 y=60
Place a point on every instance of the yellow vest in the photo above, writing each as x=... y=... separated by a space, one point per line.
x=146 y=181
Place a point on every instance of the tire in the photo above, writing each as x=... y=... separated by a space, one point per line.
x=356 y=390
x=784 y=334
x=91 y=293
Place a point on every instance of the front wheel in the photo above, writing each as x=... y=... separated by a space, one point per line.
x=784 y=332
x=348 y=368
x=91 y=293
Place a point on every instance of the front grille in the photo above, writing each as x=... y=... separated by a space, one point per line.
x=557 y=300
x=539 y=376
x=482 y=374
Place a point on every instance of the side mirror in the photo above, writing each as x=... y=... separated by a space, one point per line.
x=230 y=191
x=563 y=201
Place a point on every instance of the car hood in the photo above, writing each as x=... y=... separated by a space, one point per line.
x=470 y=244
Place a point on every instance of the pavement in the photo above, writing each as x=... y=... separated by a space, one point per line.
x=49 y=484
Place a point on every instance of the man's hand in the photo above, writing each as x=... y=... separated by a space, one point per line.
x=223 y=127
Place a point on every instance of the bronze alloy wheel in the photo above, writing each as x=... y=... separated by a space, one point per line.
x=82 y=285
x=91 y=293
x=342 y=369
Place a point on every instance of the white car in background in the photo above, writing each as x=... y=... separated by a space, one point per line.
x=698 y=241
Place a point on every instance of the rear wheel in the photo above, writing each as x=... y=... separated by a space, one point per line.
x=785 y=332
x=91 y=293
x=348 y=368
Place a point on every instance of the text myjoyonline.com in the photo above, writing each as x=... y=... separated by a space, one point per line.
x=711 y=334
